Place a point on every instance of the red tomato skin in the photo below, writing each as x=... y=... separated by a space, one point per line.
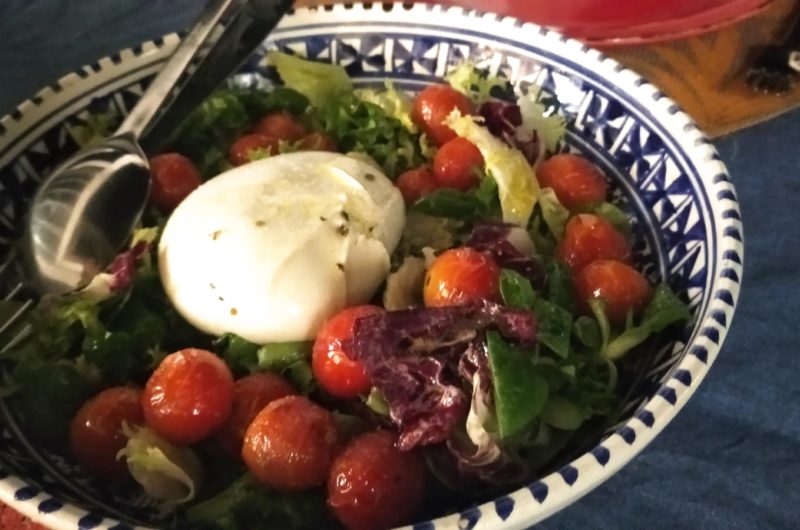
x=281 y=125
x=251 y=394
x=240 y=152
x=290 y=444
x=173 y=178
x=95 y=433
x=416 y=183
x=334 y=371
x=461 y=276
x=619 y=285
x=431 y=108
x=373 y=485
x=189 y=396
x=457 y=163
x=317 y=141
x=575 y=181
x=588 y=238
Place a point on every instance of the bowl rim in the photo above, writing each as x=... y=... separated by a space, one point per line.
x=552 y=492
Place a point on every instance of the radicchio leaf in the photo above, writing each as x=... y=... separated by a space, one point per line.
x=412 y=358
x=504 y=120
x=496 y=239
x=123 y=268
x=484 y=457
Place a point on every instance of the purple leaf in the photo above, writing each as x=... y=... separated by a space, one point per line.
x=504 y=120
x=494 y=238
x=123 y=268
x=412 y=357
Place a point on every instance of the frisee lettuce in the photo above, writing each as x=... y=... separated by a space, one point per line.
x=516 y=181
x=476 y=83
x=551 y=128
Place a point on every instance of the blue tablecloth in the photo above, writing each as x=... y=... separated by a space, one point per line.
x=731 y=459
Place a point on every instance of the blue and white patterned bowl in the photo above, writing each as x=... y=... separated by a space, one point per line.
x=666 y=172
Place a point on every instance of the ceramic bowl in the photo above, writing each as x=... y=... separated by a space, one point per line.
x=665 y=172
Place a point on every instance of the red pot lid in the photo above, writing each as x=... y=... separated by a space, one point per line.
x=617 y=22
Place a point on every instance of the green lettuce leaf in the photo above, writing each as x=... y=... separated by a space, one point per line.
x=664 y=309
x=292 y=359
x=467 y=206
x=555 y=215
x=319 y=82
x=520 y=392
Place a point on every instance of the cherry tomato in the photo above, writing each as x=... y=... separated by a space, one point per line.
x=575 y=181
x=318 y=141
x=95 y=433
x=416 y=183
x=619 y=285
x=174 y=177
x=335 y=372
x=457 y=163
x=588 y=238
x=433 y=105
x=241 y=152
x=188 y=396
x=459 y=276
x=251 y=393
x=290 y=444
x=373 y=485
x=281 y=125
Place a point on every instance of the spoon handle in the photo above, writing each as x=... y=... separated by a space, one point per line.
x=179 y=64
x=226 y=34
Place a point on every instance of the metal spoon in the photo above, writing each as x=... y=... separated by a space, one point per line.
x=86 y=210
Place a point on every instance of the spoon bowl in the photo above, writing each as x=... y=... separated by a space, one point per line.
x=80 y=219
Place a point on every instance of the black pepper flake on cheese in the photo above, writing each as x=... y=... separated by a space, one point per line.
x=260 y=223
x=343 y=230
x=322 y=219
x=341 y=266
x=369 y=176
x=221 y=299
x=212 y=285
x=345 y=215
x=215 y=234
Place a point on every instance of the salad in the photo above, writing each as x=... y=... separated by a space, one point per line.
x=346 y=307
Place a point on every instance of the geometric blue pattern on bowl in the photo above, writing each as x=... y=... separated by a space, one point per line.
x=666 y=174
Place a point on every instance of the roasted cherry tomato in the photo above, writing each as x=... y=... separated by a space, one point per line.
x=460 y=276
x=457 y=165
x=95 y=433
x=246 y=147
x=575 y=181
x=317 y=141
x=588 y=238
x=188 y=396
x=416 y=183
x=174 y=177
x=621 y=287
x=251 y=394
x=290 y=444
x=373 y=485
x=431 y=108
x=281 y=125
x=334 y=371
